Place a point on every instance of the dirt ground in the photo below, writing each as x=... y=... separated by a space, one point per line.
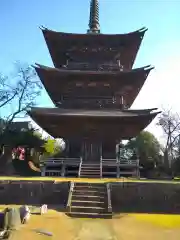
x=121 y=227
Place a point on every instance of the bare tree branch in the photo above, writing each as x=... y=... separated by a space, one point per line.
x=21 y=94
x=170 y=124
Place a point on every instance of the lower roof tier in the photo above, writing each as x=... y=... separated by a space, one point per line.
x=115 y=124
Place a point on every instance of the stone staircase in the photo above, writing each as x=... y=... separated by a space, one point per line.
x=89 y=201
x=90 y=170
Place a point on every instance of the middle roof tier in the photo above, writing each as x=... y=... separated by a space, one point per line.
x=75 y=85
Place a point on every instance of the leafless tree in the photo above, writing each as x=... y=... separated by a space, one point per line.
x=7 y=92
x=18 y=93
x=170 y=123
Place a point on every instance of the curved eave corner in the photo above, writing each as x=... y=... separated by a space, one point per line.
x=45 y=30
x=38 y=66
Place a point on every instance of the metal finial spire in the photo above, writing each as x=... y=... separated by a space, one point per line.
x=94 y=26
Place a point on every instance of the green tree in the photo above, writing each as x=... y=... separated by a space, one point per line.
x=147 y=147
x=51 y=147
x=28 y=138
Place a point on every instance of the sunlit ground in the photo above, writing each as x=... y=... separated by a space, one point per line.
x=121 y=227
x=89 y=180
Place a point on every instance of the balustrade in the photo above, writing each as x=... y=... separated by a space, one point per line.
x=94 y=66
x=91 y=102
x=77 y=162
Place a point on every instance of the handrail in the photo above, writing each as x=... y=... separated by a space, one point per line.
x=109 y=197
x=101 y=167
x=129 y=161
x=60 y=160
x=91 y=67
x=79 y=172
x=70 y=196
x=118 y=166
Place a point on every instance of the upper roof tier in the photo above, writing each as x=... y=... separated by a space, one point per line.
x=87 y=48
x=92 y=85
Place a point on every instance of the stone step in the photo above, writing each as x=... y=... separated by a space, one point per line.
x=91 y=164
x=91 y=167
x=90 y=170
x=89 y=215
x=88 y=203
x=89 y=191
x=88 y=197
x=88 y=209
x=85 y=190
x=89 y=187
x=89 y=176
x=90 y=184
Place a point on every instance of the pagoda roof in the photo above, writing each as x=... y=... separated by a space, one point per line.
x=64 y=123
x=58 y=81
x=92 y=113
x=67 y=72
x=60 y=44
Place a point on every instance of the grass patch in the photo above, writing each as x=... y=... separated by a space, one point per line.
x=163 y=220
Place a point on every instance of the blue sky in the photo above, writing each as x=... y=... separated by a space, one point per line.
x=22 y=40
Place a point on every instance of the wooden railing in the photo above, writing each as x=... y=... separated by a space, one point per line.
x=134 y=162
x=70 y=196
x=94 y=66
x=79 y=172
x=115 y=163
x=91 y=103
x=109 y=162
x=109 y=197
x=52 y=173
x=61 y=160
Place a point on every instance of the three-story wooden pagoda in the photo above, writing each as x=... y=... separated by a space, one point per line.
x=93 y=87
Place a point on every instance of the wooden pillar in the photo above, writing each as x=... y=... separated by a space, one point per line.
x=43 y=171
x=63 y=170
x=118 y=171
x=101 y=149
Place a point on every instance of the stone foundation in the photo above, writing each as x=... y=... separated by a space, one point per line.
x=126 y=197
x=147 y=197
x=34 y=193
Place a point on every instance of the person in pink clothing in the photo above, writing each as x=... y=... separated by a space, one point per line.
x=21 y=153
